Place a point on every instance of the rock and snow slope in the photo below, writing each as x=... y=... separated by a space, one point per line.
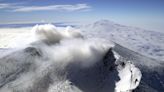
x=152 y=70
x=144 y=48
x=65 y=62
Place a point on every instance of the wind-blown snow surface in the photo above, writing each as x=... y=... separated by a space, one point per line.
x=65 y=61
x=149 y=43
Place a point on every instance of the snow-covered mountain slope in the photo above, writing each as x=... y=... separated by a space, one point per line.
x=66 y=63
x=152 y=70
x=34 y=72
x=145 y=42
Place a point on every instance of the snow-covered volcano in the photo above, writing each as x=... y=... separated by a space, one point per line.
x=65 y=61
x=55 y=59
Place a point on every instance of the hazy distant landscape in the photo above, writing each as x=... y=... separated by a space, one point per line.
x=147 y=42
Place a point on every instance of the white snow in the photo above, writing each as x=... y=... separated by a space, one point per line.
x=130 y=77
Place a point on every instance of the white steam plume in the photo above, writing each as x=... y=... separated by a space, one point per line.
x=50 y=34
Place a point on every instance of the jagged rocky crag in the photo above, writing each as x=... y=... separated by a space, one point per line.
x=152 y=70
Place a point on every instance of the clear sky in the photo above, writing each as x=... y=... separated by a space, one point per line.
x=148 y=14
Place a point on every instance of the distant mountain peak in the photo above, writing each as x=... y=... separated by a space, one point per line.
x=104 y=22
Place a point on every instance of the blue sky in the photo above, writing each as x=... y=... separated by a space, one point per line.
x=148 y=14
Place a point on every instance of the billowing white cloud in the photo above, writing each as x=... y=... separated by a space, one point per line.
x=65 y=7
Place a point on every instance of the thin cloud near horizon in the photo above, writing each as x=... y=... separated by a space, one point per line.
x=54 y=7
